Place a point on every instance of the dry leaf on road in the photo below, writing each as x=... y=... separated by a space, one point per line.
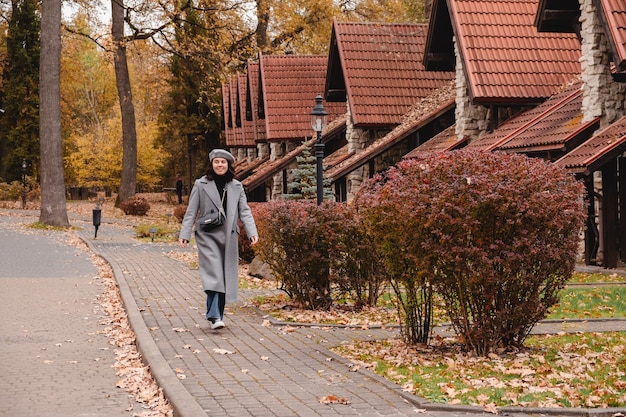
x=332 y=399
x=223 y=351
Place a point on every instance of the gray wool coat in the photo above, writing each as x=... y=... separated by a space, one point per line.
x=218 y=250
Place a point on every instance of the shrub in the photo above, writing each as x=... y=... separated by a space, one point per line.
x=161 y=231
x=358 y=268
x=246 y=251
x=499 y=234
x=13 y=191
x=299 y=244
x=135 y=206
x=391 y=218
x=179 y=212
x=318 y=253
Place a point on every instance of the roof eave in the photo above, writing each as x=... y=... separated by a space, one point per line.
x=558 y=16
x=361 y=158
x=439 y=48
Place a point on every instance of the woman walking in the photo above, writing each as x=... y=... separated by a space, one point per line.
x=216 y=203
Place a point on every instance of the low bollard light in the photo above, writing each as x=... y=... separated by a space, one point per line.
x=97 y=217
x=153 y=231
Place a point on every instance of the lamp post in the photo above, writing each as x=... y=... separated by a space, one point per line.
x=318 y=122
x=24 y=184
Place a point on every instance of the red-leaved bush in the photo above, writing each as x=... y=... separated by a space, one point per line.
x=496 y=235
x=317 y=252
x=294 y=244
x=135 y=206
x=389 y=215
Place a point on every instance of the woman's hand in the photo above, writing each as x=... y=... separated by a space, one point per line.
x=254 y=240
x=182 y=243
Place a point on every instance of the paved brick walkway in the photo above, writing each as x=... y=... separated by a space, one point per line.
x=252 y=367
x=53 y=361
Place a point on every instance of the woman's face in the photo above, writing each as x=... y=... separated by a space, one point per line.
x=220 y=166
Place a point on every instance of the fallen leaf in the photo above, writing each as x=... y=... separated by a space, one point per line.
x=491 y=408
x=332 y=399
x=180 y=329
x=222 y=351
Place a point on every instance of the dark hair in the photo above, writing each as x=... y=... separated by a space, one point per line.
x=229 y=175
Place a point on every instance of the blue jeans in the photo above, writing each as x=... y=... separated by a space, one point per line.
x=215 y=303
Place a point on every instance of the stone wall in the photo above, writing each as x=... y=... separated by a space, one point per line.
x=602 y=96
x=277 y=151
x=263 y=150
x=471 y=119
x=358 y=139
x=253 y=154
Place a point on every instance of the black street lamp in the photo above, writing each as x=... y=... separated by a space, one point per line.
x=318 y=123
x=24 y=184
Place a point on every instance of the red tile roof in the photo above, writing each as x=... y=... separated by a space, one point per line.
x=245 y=168
x=424 y=111
x=235 y=112
x=559 y=129
x=247 y=138
x=595 y=152
x=554 y=126
x=270 y=168
x=226 y=114
x=289 y=84
x=252 y=102
x=378 y=68
x=613 y=13
x=505 y=59
x=444 y=141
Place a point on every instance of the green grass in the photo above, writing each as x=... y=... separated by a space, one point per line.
x=576 y=301
x=42 y=226
x=584 y=277
x=590 y=302
x=162 y=232
x=572 y=370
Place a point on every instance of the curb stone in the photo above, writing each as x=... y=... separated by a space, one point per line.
x=181 y=400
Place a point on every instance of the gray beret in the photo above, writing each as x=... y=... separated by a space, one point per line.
x=221 y=153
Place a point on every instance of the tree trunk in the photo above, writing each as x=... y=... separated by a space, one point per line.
x=53 y=204
x=129 y=130
x=263 y=17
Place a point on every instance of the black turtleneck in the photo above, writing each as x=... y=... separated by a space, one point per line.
x=220 y=183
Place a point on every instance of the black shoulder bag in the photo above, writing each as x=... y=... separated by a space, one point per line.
x=214 y=218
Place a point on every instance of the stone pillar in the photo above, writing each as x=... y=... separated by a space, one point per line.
x=263 y=150
x=602 y=96
x=251 y=154
x=471 y=119
x=358 y=139
x=277 y=151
